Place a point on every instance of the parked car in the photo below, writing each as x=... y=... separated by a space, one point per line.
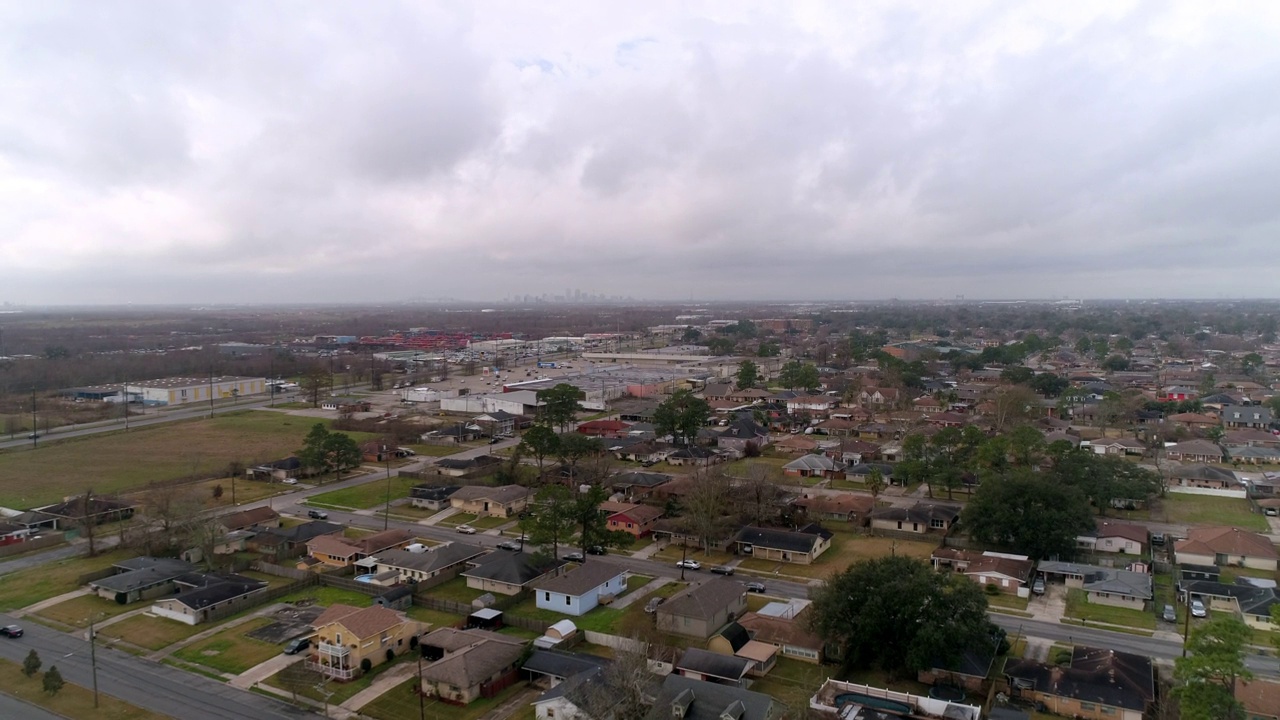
x=495 y=441
x=1037 y=587
x=722 y=570
x=508 y=545
x=1273 y=512
x=755 y=587
x=290 y=481
x=575 y=557
x=466 y=529
x=689 y=564
x=1169 y=614
x=597 y=550
x=651 y=607
x=297 y=645
x=1157 y=538
x=12 y=631
x=1198 y=609
x=318 y=514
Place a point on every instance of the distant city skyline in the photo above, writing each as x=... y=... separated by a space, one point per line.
x=240 y=152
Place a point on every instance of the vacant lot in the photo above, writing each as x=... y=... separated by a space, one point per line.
x=846 y=549
x=152 y=633
x=370 y=494
x=20 y=589
x=1186 y=509
x=72 y=701
x=77 y=611
x=119 y=461
x=230 y=651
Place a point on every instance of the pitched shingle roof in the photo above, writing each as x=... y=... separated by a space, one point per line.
x=361 y=622
x=501 y=495
x=705 y=601
x=788 y=540
x=513 y=568
x=1226 y=540
x=590 y=575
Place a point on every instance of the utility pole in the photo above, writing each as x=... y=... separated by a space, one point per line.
x=386 y=511
x=422 y=706
x=124 y=395
x=210 y=391
x=93 y=659
x=35 y=429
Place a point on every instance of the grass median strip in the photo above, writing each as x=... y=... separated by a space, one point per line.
x=72 y=701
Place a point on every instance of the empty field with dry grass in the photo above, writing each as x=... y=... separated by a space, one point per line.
x=118 y=461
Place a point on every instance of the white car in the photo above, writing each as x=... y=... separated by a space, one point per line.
x=466 y=530
x=290 y=481
x=1198 y=609
x=689 y=564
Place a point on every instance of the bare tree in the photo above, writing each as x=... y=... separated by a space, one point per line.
x=87 y=519
x=704 y=506
x=623 y=690
x=755 y=498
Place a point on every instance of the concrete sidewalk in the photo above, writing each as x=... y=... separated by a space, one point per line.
x=640 y=592
x=37 y=607
x=446 y=513
x=380 y=685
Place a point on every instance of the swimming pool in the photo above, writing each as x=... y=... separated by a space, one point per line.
x=365 y=578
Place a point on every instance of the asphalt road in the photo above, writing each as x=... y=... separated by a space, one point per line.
x=150 y=685
x=11 y=707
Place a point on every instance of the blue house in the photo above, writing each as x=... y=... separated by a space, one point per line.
x=577 y=592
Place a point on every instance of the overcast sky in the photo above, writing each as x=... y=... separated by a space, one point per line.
x=319 y=151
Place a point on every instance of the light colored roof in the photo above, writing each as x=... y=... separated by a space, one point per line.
x=1226 y=540
x=502 y=494
x=473 y=664
x=360 y=622
x=332 y=546
x=706 y=600
x=590 y=575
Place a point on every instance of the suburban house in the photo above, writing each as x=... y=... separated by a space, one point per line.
x=503 y=501
x=469 y=664
x=1246 y=416
x=1007 y=573
x=849 y=508
x=345 y=636
x=814 y=466
x=1250 y=602
x=637 y=485
x=604 y=428
x=690 y=699
x=282 y=542
x=337 y=551
x=817 y=406
x=1098 y=684
x=74 y=512
x=1202 y=477
x=879 y=396
x=431 y=497
x=789 y=633
x=722 y=669
x=509 y=573
x=202 y=597
x=633 y=518
x=742 y=432
x=701 y=610
x=1196 y=451
x=969 y=670
x=1115 y=537
x=801 y=547
x=1250 y=438
x=1114 y=446
x=1104 y=585
x=415 y=567
x=579 y=591
x=497 y=423
x=922 y=517
x=141 y=578
x=263 y=517
x=276 y=471
x=1225 y=546
x=459 y=467
x=694 y=455
x=796 y=444
x=641 y=450
x=1193 y=420
x=550 y=668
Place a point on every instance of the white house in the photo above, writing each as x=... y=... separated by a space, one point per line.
x=579 y=591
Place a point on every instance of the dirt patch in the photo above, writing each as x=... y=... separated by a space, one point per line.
x=287 y=624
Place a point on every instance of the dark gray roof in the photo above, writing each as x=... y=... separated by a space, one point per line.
x=218 y=588
x=304 y=532
x=431 y=560
x=467 y=463
x=705 y=662
x=707 y=700
x=146 y=562
x=1252 y=600
x=592 y=574
x=1107 y=677
x=562 y=665
x=736 y=635
x=745 y=429
x=639 y=479
x=431 y=492
x=513 y=568
x=921 y=512
x=776 y=539
x=704 y=601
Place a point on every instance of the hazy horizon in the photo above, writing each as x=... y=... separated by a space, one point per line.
x=292 y=153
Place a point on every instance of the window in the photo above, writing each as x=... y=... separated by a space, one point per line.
x=1087 y=706
x=546 y=597
x=567 y=600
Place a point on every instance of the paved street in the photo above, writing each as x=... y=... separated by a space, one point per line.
x=146 y=684
x=11 y=707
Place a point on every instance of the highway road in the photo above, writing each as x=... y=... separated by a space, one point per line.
x=150 y=685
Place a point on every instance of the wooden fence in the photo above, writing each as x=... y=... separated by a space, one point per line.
x=261 y=598
x=281 y=571
x=37 y=543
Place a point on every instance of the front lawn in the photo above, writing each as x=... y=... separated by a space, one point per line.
x=673 y=553
x=1005 y=600
x=26 y=587
x=77 y=611
x=401 y=703
x=488 y=522
x=458 y=519
x=73 y=701
x=601 y=619
x=152 y=633
x=455 y=590
x=366 y=495
x=1079 y=607
x=846 y=549
x=231 y=651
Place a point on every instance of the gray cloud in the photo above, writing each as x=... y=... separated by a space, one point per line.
x=293 y=151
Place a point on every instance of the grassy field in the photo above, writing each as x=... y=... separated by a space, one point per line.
x=152 y=633
x=370 y=494
x=435 y=617
x=1079 y=607
x=458 y=519
x=72 y=701
x=401 y=703
x=326 y=596
x=846 y=549
x=1186 y=509
x=1011 y=602
x=230 y=651
x=77 y=611
x=23 y=588
x=792 y=683
x=455 y=590
x=488 y=522
x=118 y=461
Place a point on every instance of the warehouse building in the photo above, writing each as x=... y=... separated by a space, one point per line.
x=176 y=391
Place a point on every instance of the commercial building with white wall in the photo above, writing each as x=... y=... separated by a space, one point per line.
x=183 y=390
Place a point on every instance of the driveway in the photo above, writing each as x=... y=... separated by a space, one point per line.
x=264 y=670
x=1051 y=606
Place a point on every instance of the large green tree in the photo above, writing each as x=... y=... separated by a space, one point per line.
x=748 y=375
x=1208 y=674
x=681 y=416
x=325 y=451
x=576 y=447
x=560 y=404
x=799 y=375
x=550 y=520
x=591 y=524
x=540 y=442
x=895 y=613
x=1028 y=513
